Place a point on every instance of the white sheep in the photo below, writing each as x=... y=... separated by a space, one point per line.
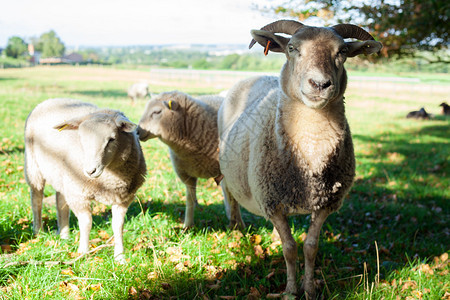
x=86 y=154
x=285 y=144
x=138 y=90
x=189 y=127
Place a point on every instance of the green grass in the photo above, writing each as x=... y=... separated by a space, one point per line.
x=396 y=215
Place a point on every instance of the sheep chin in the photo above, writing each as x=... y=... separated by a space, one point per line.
x=314 y=102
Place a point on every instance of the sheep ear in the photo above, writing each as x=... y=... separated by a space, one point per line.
x=125 y=125
x=366 y=48
x=72 y=124
x=270 y=41
x=172 y=105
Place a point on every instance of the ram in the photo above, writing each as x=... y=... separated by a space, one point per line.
x=86 y=154
x=285 y=144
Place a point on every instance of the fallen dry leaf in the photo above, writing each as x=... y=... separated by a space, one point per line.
x=417 y=294
x=94 y=287
x=165 y=285
x=103 y=235
x=65 y=286
x=74 y=254
x=270 y=274
x=258 y=250
x=274 y=245
x=68 y=272
x=213 y=286
x=145 y=294
x=132 y=291
x=233 y=245
x=273 y=296
x=176 y=254
x=426 y=269
x=256 y=239
x=6 y=248
x=408 y=285
x=254 y=293
x=302 y=237
x=180 y=267
x=152 y=275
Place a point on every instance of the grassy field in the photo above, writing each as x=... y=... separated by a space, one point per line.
x=390 y=240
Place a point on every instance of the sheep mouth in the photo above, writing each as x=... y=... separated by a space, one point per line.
x=144 y=135
x=315 y=101
x=95 y=173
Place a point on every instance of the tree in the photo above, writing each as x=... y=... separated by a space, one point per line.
x=403 y=26
x=16 y=47
x=50 y=45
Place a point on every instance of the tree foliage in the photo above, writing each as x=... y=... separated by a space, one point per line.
x=16 y=47
x=50 y=45
x=403 y=26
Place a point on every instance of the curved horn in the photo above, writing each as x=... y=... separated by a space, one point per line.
x=352 y=31
x=281 y=26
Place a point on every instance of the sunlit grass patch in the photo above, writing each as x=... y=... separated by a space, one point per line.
x=388 y=241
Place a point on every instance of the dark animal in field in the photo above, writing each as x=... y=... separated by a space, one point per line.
x=419 y=114
x=445 y=108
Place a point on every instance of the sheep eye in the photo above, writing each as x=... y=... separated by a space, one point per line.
x=291 y=48
x=343 y=51
x=156 y=113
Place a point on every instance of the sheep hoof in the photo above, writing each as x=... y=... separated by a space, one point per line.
x=291 y=290
x=64 y=234
x=120 y=259
x=236 y=225
x=310 y=294
x=188 y=225
x=288 y=297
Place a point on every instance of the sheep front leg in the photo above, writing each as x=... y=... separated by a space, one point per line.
x=84 y=216
x=232 y=208
x=118 y=217
x=36 y=205
x=310 y=251
x=191 y=201
x=281 y=224
x=62 y=213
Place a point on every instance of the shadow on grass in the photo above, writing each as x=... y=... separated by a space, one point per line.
x=118 y=94
x=12 y=150
x=399 y=202
x=8 y=78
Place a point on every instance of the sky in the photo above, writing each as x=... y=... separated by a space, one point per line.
x=133 y=22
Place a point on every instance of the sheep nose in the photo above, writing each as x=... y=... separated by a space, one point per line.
x=91 y=171
x=319 y=85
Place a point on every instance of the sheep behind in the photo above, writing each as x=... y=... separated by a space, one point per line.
x=86 y=154
x=189 y=127
x=138 y=90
